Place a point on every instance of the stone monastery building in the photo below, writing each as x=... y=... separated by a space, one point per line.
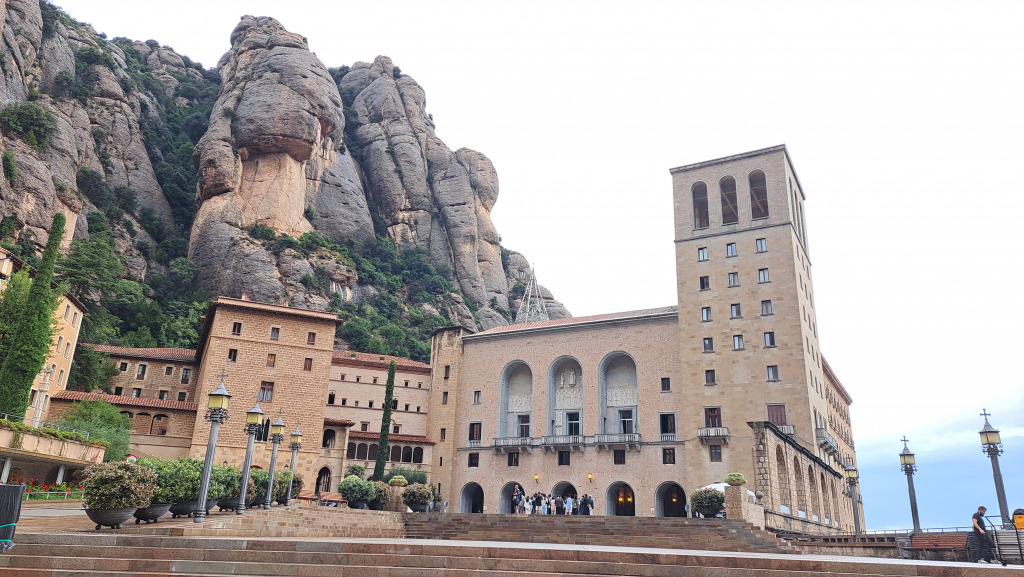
x=637 y=409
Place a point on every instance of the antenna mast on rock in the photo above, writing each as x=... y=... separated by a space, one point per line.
x=531 y=308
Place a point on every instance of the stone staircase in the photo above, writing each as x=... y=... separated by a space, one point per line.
x=294 y=522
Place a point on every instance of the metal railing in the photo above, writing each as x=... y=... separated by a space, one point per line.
x=51 y=495
x=826 y=440
x=42 y=424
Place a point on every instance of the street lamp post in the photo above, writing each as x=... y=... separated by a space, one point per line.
x=253 y=418
x=908 y=466
x=851 y=477
x=296 y=445
x=276 y=435
x=992 y=445
x=216 y=413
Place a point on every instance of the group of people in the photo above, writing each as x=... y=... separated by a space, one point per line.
x=545 y=504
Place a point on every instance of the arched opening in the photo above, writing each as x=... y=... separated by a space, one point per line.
x=406 y=454
x=372 y=453
x=758 y=195
x=835 y=504
x=620 y=500
x=128 y=413
x=564 y=489
x=801 y=490
x=824 y=499
x=505 y=504
x=323 y=481
x=396 y=454
x=780 y=464
x=699 y=190
x=329 y=437
x=670 y=500
x=159 y=425
x=417 y=455
x=472 y=499
x=361 y=450
x=142 y=423
x=730 y=208
x=618 y=395
x=565 y=397
x=515 y=400
x=351 y=452
x=812 y=496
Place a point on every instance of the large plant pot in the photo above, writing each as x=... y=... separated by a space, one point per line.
x=184 y=508
x=256 y=502
x=152 y=513
x=375 y=505
x=709 y=513
x=419 y=508
x=112 y=518
x=227 y=503
x=356 y=504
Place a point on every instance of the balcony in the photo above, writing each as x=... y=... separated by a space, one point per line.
x=668 y=437
x=556 y=442
x=787 y=430
x=607 y=442
x=826 y=441
x=476 y=443
x=713 y=434
x=503 y=444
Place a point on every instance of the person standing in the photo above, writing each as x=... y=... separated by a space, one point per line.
x=568 y=505
x=985 y=543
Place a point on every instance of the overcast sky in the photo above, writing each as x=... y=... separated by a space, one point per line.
x=903 y=119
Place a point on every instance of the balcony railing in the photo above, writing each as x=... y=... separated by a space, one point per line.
x=826 y=441
x=552 y=442
x=617 y=438
x=513 y=441
x=708 y=433
x=562 y=440
x=787 y=429
x=476 y=443
x=668 y=437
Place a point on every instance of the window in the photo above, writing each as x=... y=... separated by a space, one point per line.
x=67 y=344
x=476 y=397
x=709 y=345
x=524 y=426
x=440 y=463
x=358 y=378
x=60 y=341
x=777 y=414
x=666 y=384
x=118 y=391
x=395 y=429
x=275 y=333
x=444 y=433
x=364 y=426
x=667 y=421
x=74 y=320
x=236 y=329
x=271 y=360
x=705 y=283
x=513 y=459
x=730 y=208
x=734 y=310
x=417 y=408
x=186 y=376
x=705 y=314
x=232 y=355
x=762 y=275
x=769 y=339
x=563 y=458
x=419 y=385
x=734 y=279
x=626 y=421
x=737 y=342
x=476 y=431
x=356 y=403
x=123 y=367
x=715 y=453
x=761 y=245
x=140 y=373
x=310 y=338
x=474 y=459
x=60 y=378
x=370 y=404
x=67 y=311
x=394 y=405
x=773 y=372
x=758 y=195
x=307 y=364
x=266 y=391
x=668 y=456
x=407 y=383
x=730 y=249
x=163 y=395
x=572 y=422
x=701 y=219
x=344 y=402
x=444 y=398
x=619 y=457
x=702 y=254
x=136 y=393
x=330 y=398
x=766 y=308
x=182 y=396
x=168 y=371
x=447 y=371
x=712 y=417
x=375 y=380
x=709 y=377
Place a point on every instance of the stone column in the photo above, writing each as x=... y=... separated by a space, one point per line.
x=734 y=502
x=60 y=474
x=7 y=470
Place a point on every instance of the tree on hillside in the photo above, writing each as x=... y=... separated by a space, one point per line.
x=91 y=370
x=104 y=422
x=33 y=334
x=12 y=307
x=385 y=426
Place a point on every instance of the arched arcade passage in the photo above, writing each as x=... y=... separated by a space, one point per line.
x=472 y=500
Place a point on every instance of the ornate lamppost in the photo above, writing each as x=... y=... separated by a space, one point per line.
x=908 y=466
x=296 y=445
x=276 y=436
x=851 y=478
x=216 y=413
x=992 y=446
x=253 y=420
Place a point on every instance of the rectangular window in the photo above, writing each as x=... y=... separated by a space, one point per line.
x=163 y=395
x=619 y=457
x=626 y=421
x=395 y=429
x=266 y=391
x=705 y=314
x=734 y=311
x=407 y=406
x=475 y=431
x=524 y=426
x=474 y=459
x=709 y=345
x=140 y=373
x=734 y=279
x=123 y=367
x=232 y=355
x=330 y=398
x=666 y=384
x=705 y=283
x=364 y=426
x=307 y=364
x=712 y=417
x=74 y=320
x=168 y=371
x=182 y=396
x=572 y=422
x=447 y=371
x=236 y=329
x=766 y=308
x=136 y=393
x=563 y=458
x=715 y=453
x=444 y=433
x=668 y=456
x=444 y=398
x=709 y=377
x=118 y=391
x=394 y=404
x=186 y=376
x=67 y=311
x=730 y=249
x=762 y=275
x=761 y=244
x=773 y=372
x=271 y=360
x=370 y=404
x=667 y=421
x=67 y=345
x=310 y=338
x=344 y=402
x=375 y=380
x=407 y=383
x=702 y=254
x=737 y=342
x=777 y=414
x=769 y=339
x=476 y=397
x=513 y=459
x=275 y=333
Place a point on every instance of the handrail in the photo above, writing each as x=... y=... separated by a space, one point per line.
x=41 y=424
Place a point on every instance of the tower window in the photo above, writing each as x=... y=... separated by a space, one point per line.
x=737 y=342
x=699 y=190
x=734 y=310
x=715 y=453
x=762 y=275
x=474 y=459
x=705 y=283
x=730 y=249
x=702 y=254
x=761 y=245
x=709 y=377
x=666 y=384
x=773 y=372
x=236 y=329
x=705 y=313
x=709 y=345
x=769 y=339
x=712 y=417
x=758 y=195
x=275 y=333
x=513 y=459
x=734 y=279
x=730 y=209
x=619 y=457
x=766 y=308
x=668 y=456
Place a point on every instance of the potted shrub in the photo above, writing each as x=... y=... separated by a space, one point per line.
x=381 y=496
x=185 y=474
x=281 y=479
x=708 y=502
x=736 y=479
x=113 y=491
x=259 y=477
x=417 y=496
x=165 y=493
x=224 y=485
x=356 y=491
x=398 y=481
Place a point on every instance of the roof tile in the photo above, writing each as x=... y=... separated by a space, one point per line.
x=163 y=354
x=125 y=401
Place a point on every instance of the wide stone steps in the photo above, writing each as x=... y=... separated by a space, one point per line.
x=78 y=554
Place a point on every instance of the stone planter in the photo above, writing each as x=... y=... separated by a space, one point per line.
x=419 y=508
x=709 y=513
x=227 y=503
x=184 y=508
x=112 y=518
x=356 y=504
x=375 y=506
x=152 y=513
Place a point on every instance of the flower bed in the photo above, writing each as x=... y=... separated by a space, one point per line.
x=45 y=492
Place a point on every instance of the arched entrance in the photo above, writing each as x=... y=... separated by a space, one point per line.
x=323 y=481
x=472 y=499
x=620 y=500
x=505 y=498
x=564 y=489
x=670 y=500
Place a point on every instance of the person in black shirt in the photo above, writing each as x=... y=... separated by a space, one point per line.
x=984 y=540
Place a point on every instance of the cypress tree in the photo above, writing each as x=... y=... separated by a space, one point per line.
x=385 y=426
x=32 y=337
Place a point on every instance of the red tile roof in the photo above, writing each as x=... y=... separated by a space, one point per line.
x=124 y=401
x=378 y=361
x=403 y=438
x=283 y=309
x=338 y=422
x=582 y=320
x=165 y=354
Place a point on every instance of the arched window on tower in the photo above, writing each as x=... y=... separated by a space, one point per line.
x=700 y=205
x=758 y=195
x=730 y=208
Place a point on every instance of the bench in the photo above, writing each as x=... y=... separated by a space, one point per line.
x=955 y=543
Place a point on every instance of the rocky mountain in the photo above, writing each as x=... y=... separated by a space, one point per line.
x=275 y=175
